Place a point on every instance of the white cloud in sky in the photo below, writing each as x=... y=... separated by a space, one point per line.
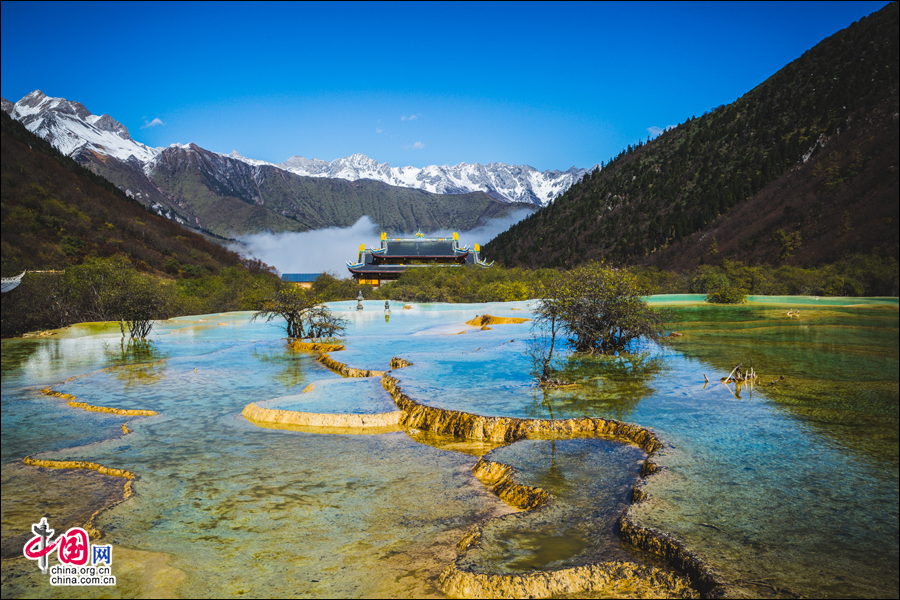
x=655 y=131
x=416 y=146
x=410 y=117
x=153 y=123
x=330 y=249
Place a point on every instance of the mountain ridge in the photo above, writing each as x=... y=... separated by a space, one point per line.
x=56 y=214
x=518 y=183
x=801 y=170
x=207 y=200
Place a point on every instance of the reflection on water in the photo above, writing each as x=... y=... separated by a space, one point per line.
x=601 y=385
x=291 y=374
x=839 y=364
x=140 y=362
x=791 y=488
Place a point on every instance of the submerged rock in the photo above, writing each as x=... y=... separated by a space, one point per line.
x=615 y=578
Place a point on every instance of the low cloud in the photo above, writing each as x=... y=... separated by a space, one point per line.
x=310 y=251
x=153 y=123
x=330 y=249
x=485 y=233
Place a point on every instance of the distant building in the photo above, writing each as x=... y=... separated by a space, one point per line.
x=302 y=279
x=397 y=255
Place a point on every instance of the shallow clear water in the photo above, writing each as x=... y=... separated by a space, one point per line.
x=344 y=396
x=591 y=481
x=791 y=487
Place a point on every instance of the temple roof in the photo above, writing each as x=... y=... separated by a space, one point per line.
x=396 y=255
x=424 y=247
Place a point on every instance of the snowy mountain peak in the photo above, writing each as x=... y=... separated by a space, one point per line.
x=510 y=183
x=107 y=123
x=72 y=129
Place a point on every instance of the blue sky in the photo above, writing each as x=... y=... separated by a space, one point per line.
x=551 y=85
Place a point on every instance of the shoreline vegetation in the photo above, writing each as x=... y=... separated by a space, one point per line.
x=98 y=289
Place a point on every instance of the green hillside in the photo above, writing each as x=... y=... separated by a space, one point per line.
x=801 y=170
x=56 y=213
x=92 y=252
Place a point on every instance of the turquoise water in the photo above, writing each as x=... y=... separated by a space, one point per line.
x=591 y=481
x=343 y=396
x=791 y=488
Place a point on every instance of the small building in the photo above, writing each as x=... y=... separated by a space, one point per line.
x=375 y=266
x=302 y=279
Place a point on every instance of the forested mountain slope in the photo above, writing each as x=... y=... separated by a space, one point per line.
x=802 y=169
x=55 y=213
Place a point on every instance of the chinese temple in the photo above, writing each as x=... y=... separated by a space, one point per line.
x=375 y=266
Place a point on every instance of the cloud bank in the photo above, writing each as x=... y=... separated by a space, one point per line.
x=330 y=249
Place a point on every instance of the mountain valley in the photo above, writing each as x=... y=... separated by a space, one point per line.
x=228 y=194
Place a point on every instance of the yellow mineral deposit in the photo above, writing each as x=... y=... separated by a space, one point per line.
x=484 y=320
x=83 y=464
x=258 y=414
x=315 y=347
x=106 y=409
x=345 y=371
x=616 y=578
x=500 y=478
x=399 y=363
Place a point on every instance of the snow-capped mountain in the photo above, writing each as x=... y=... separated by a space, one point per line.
x=72 y=129
x=509 y=183
x=215 y=191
